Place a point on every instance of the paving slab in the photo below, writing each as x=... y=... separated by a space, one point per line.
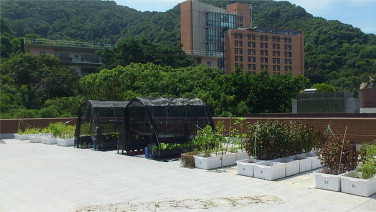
x=39 y=177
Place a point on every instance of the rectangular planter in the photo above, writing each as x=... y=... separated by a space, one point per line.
x=228 y=160
x=315 y=161
x=21 y=137
x=242 y=156
x=292 y=165
x=212 y=162
x=305 y=163
x=35 y=138
x=352 y=185
x=269 y=170
x=65 y=142
x=327 y=181
x=49 y=140
x=245 y=167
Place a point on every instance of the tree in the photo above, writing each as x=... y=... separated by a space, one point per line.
x=323 y=87
x=135 y=50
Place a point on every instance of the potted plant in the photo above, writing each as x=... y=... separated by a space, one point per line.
x=206 y=140
x=65 y=137
x=338 y=155
x=362 y=181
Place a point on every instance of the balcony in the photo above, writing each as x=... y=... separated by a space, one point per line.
x=196 y=53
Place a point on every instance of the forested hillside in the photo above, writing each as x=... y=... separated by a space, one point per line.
x=335 y=53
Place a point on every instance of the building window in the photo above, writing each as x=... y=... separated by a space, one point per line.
x=42 y=52
x=251 y=52
x=287 y=40
x=264 y=60
x=251 y=37
x=276 y=53
x=238 y=65
x=238 y=36
x=276 y=39
x=240 y=43
x=241 y=58
x=264 y=52
x=209 y=63
x=288 y=61
x=288 y=68
x=264 y=45
x=252 y=59
x=276 y=60
x=276 y=46
x=236 y=43
x=252 y=44
x=238 y=51
x=287 y=54
x=276 y=68
x=263 y=38
x=236 y=58
x=287 y=47
x=264 y=67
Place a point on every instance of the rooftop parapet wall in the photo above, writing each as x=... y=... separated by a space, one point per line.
x=360 y=127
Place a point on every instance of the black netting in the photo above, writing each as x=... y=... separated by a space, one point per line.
x=99 y=124
x=151 y=121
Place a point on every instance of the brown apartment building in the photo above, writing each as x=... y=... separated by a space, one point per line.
x=278 y=51
x=218 y=38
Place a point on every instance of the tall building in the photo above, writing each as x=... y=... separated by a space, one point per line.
x=224 y=38
x=275 y=50
x=203 y=27
x=80 y=55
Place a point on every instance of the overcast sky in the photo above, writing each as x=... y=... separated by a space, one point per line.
x=359 y=13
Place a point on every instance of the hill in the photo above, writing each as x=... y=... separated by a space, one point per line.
x=335 y=53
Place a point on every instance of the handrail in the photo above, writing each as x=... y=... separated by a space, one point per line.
x=65 y=43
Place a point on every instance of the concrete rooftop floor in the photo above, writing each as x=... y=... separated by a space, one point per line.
x=39 y=177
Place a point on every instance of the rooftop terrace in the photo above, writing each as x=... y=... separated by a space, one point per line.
x=65 y=43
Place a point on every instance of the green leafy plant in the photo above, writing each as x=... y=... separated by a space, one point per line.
x=276 y=139
x=368 y=161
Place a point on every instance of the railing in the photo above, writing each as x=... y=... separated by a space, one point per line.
x=64 y=43
x=203 y=53
x=85 y=61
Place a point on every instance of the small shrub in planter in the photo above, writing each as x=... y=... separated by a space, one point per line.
x=362 y=181
x=338 y=155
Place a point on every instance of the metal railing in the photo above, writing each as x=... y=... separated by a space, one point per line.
x=203 y=53
x=65 y=43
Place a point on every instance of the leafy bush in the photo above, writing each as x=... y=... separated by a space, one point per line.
x=62 y=130
x=26 y=113
x=338 y=154
x=276 y=139
x=49 y=112
x=368 y=161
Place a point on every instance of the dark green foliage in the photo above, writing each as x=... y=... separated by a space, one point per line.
x=234 y=94
x=338 y=154
x=134 y=50
x=277 y=139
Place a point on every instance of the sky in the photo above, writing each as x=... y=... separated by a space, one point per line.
x=359 y=13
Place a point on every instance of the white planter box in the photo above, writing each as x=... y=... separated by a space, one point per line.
x=207 y=162
x=315 y=161
x=352 y=185
x=245 y=167
x=242 y=156
x=36 y=138
x=327 y=181
x=228 y=160
x=48 y=140
x=269 y=170
x=305 y=163
x=292 y=165
x=65 y=142
x=21 y=137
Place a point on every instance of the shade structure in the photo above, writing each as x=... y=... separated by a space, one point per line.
x=152 y=121
x=99 y=124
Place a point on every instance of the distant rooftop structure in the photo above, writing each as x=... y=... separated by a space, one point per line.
x=77 y=54
x=65 y=43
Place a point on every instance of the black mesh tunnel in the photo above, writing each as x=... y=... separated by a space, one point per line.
x=99 y=124
x=152 y=121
